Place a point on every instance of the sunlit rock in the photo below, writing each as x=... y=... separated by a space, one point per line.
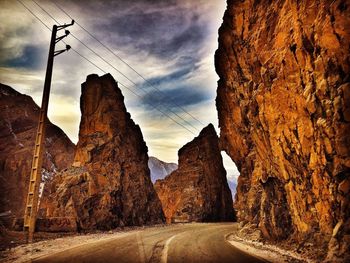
x=197 y=191
x=18 y=126
x=283 y=106
x=109 y=184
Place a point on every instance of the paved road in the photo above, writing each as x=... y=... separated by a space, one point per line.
x=177 y=243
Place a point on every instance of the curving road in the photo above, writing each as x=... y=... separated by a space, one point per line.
x=194 y=242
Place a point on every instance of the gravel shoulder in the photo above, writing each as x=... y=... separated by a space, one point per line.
x=267 y=252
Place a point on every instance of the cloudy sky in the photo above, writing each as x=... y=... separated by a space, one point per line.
x=169 y=43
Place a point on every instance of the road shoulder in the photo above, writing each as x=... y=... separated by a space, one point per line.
x=266 y=252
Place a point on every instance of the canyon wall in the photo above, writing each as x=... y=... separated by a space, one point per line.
x=283 y=102
x=197 y=191
x=109 y=183
x=18 y=125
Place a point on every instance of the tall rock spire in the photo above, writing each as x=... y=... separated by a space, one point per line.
x=109 y=184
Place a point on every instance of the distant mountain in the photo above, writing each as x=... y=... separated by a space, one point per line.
x=160 y=169
x=232 y=185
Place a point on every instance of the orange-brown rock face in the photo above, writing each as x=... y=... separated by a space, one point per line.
x=197 y=190
x=18 y=124
x=109 y=184
x=283 y=102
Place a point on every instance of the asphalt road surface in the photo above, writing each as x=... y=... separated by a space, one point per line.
x=176 y=243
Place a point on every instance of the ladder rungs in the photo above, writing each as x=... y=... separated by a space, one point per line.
x=29 y=206
x=30 y=193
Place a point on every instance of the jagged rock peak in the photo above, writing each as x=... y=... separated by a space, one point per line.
x=104 y=116
x=8 y=91
x=207 y=133
x=198 y=189
x=109 y=184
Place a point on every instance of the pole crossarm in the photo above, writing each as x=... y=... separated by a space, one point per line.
x=31 y=208
x=68 y=47
x=59 y=27
x=61 y=37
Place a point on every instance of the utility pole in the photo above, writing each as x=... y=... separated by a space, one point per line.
x=31 y=207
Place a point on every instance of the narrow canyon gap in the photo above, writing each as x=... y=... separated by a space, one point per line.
x=232 y=172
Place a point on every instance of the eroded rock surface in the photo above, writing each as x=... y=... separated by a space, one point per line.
x=283 y=102
x=197 y=190
x=109 y=184
x=18 y=125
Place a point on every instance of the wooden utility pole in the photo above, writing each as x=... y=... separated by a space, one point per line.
x=31 y=207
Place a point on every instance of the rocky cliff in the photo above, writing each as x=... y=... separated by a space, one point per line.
x=109 y=184
x=159 y=169
x=18 y=124
x=283 y=102
x=197 y=190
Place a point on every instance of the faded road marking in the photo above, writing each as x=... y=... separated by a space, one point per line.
x=164 y=257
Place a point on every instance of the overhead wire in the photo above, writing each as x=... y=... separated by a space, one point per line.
x=42 y=22
x=30 y=11
x=88 y=60
x=126 y=63
x=108 y=63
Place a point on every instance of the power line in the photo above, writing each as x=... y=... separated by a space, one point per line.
x=43 y=9
x=126 y=63
x=34 y=14
x=122 y=74
x=133 y=92
x=88 y=60
x=164 y=113
x=42 y=22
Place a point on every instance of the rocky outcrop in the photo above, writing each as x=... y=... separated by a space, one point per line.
x=160 y=169
x=197 y=190
x=109 y=184
x=283 y=102
x=18 y=125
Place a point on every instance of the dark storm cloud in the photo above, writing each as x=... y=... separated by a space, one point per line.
x=121 y=5
x=170 y=31
x=171 y=99
x=31 y=57
x=175 y=77
x=163 y=32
